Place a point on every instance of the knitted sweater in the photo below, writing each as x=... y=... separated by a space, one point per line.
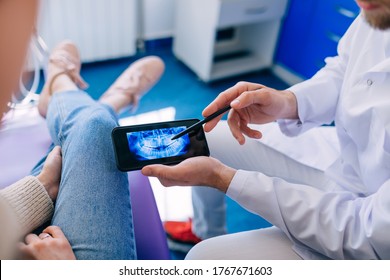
x=24 y=206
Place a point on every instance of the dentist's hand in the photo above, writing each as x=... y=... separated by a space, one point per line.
x=252 y=104
x=197 y=171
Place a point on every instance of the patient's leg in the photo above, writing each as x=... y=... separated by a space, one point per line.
x=93 y=206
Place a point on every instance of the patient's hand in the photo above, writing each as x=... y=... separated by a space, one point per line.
x=51 y=172
x=196 y=171
x=51 y=244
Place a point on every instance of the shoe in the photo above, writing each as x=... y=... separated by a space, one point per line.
x=133 y=83
x=181 y=232
x=64 y=60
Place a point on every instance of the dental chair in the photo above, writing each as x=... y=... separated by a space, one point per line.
x=24 y=139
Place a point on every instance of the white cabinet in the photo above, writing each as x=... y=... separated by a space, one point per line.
x=221 y=38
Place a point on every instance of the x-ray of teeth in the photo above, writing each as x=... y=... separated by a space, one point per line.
x=157 y=143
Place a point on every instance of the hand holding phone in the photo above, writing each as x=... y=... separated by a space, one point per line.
x=141 y=145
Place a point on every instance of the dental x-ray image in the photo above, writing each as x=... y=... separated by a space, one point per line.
x=136 y=146
x=157 y=143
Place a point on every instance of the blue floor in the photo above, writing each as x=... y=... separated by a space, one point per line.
x=179 y=87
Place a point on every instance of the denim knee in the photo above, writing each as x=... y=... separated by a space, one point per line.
x=98 y=121
x=89 y=129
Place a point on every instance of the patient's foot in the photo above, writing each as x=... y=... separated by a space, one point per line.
x=63 y=74
x=133 y=83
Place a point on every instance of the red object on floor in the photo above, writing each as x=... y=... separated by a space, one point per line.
x=181 y=232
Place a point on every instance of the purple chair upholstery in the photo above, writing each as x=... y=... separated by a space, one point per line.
x=150 y=236
x=22 y=147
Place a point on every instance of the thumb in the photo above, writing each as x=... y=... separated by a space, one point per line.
x=153 y=170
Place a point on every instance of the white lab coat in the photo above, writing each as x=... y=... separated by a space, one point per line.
x=351 y=220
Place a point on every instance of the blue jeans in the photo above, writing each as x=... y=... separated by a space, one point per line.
x=93 y=204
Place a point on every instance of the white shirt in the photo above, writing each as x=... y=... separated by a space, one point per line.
x=351 y=221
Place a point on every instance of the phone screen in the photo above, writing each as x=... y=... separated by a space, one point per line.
x=140 y=145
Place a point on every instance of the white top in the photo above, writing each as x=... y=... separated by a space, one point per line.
x=352 y=221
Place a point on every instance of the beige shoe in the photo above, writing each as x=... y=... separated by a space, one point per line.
x=133 y=83
x=63 y=60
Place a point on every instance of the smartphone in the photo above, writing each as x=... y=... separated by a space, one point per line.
x=140 y=145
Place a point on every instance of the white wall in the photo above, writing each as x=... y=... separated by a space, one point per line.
x=105 y=29
x=158 y=18
x=102 y=29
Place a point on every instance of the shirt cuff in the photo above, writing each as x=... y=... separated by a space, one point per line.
x=295 y=127
x=236 y=185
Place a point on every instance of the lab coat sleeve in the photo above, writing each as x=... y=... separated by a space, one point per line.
x=317 y=97
x=339 y=225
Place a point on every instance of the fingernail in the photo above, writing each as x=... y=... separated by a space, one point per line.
x=235 y=102
x=145 y=171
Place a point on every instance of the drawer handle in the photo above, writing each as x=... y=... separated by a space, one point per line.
x=256 y=11
x=333 y=37
x=345 y=12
